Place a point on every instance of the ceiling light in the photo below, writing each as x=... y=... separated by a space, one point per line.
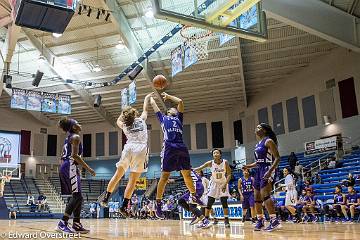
x=57 y=35
x=97 y=68
x=120 y=45
x=41 y=60
x=149 y=13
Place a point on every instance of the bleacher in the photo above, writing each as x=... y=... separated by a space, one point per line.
x=16 y=192
x=332 y=177
x=91 y=188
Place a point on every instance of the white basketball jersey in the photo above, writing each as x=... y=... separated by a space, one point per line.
x=218 y=172
x=137 y=133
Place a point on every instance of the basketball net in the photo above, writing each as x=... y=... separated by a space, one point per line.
x=197 y=39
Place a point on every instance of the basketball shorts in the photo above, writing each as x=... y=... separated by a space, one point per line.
x=134 y=156
x=248 y=201
x=291 y=198
x=216 y=191
x=69 y=177
x=175 y=157
x=259 y=181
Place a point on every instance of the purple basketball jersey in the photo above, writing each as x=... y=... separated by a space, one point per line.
x=352 y=198
x=262 y=154
x=172 y=127
x=69 y=172
x=247 y=185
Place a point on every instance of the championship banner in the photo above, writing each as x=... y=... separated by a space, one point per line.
x=321 y=145
x=33 y=101
x=176 y=61
x=124 y=98
x=132 y=92
x=141 y=184
x=64 y=104
x=18 y=98
x=235 y=211
x=48 y=103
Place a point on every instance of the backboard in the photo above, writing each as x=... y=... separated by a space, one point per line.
x=9 y=172
x=242 y=18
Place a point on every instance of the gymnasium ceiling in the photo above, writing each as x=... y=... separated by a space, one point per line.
x=214 y=84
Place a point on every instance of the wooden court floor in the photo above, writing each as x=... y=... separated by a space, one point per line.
x=147 y=229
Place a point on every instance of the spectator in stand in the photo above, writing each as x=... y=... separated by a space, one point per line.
x=93 y=209
x=135 y=205
x=317 y=179
x=298 y=169
x=332 y=163
x=350 y=181
x=309 y=206
x=352 y=203
x=300 y=186
x=300 y=203
x=233 y=197
x=338 y=206
x=30 y=200
x=292 y=160
x=308 y=179
x=42 y=202
x=12 y=211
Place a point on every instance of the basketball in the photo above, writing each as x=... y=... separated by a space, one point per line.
x=160 y=82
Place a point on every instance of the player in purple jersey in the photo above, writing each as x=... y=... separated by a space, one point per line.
x=70 y=176
x=185 y=201
x=267 y=159
x=246 y=191
x=352 y=202
x=174 y=155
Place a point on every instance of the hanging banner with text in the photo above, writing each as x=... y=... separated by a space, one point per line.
x=321 y=146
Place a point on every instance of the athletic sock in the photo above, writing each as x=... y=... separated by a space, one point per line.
x=76 y=220
x=260 y=216
x=125 y=203
x=107 y=196
x=272 y=216
x=65 y=218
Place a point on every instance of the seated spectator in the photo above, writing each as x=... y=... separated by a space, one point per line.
x=300 y=203
x=309 y=206
x=317 y=179
x=233 y=197
x=350 y=181
x=334 y=211
x=42 y=202
x=352 y=203
x=30 y=200
x=93 y=209
x=298 y=169
x=332 y=163
x=308 y=179
x=12 y=211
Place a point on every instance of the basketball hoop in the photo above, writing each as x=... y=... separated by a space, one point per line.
x=197 y=39
x=6 y=178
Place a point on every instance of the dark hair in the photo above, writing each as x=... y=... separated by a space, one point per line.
x=65 y=124
x=339 y=187
x=216 y=149
x=129 y=115
x=269 y=132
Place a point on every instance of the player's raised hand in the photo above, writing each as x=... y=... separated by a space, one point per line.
x=165 y=96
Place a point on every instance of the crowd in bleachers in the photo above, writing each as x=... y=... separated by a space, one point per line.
x=327 y=194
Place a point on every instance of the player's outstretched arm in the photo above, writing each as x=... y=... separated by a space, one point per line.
x=205 y=165
x=75 y=141
x=154 y=105
x=178 y=101
x=249 y=166
x=144 y=113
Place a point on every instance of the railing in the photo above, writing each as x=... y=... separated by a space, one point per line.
x=318 y=162
x=59 y=203
x=315 y=164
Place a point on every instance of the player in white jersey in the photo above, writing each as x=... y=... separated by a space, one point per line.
x=219 y=183
x=291 y=194
x=134 y=154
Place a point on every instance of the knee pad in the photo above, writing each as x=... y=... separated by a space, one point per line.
x=211 y=201
x=224 y=202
